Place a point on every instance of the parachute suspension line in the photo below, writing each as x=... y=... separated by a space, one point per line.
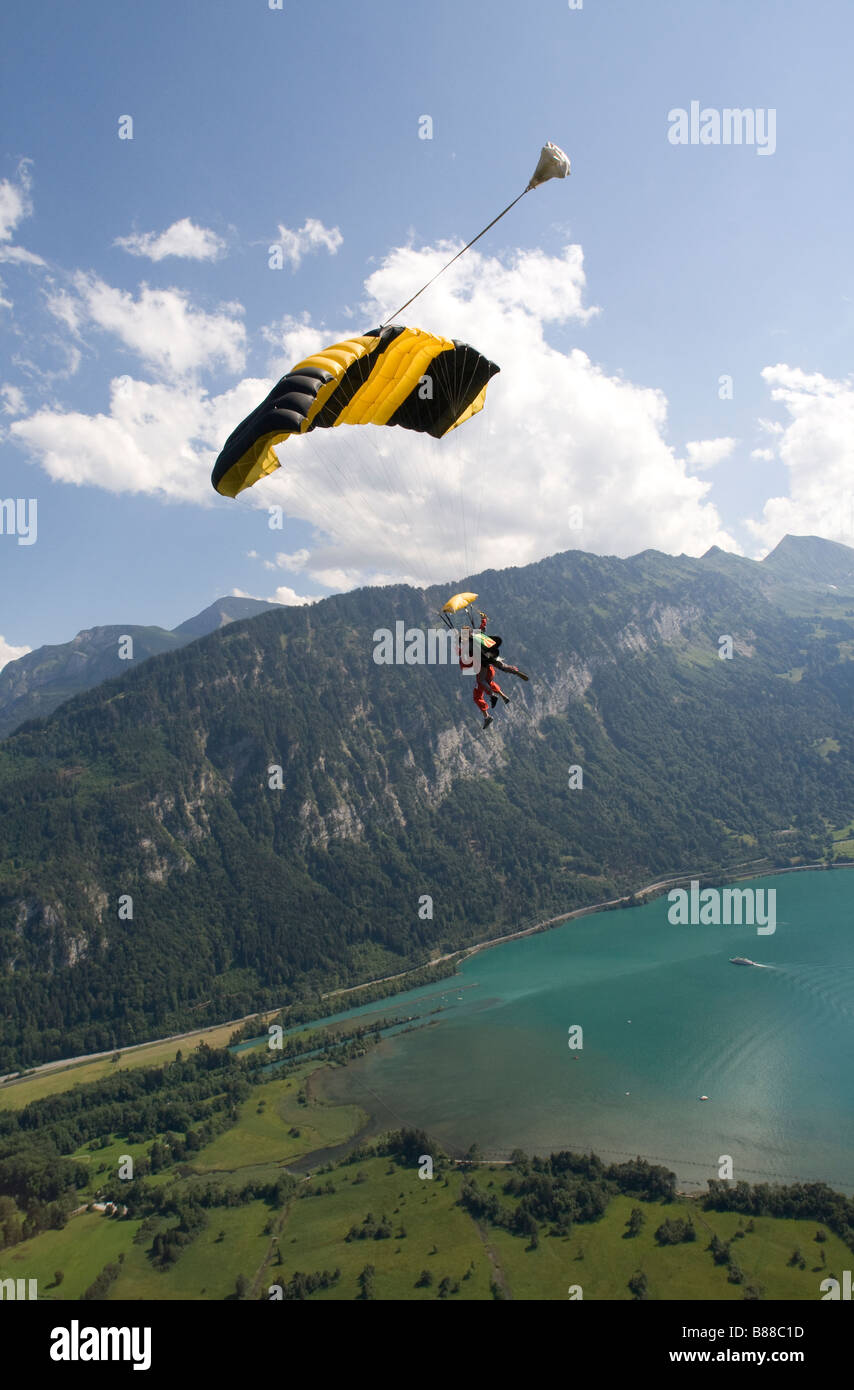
x=467 y=247
x=345 y=483
x=482 y=475
x=394 y=490
x=412 y=561
x=344 y=467
x=452 y=389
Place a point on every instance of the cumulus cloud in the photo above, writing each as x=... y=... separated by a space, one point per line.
x=182 y=239
x=764 y=455
x=294 y=562
x=564 y=455
x=15 y=206
x=312 y=236
x=9 y=653
x=160 y=326
x=816 y=445
x=706 y=453
x=283 y=595
x=157 y=438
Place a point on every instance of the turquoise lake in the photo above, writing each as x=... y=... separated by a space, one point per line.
x=666 y=1018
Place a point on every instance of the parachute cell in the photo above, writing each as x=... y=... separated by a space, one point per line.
x=390 y=376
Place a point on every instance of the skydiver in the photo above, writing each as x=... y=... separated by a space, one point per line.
x=486 y=689
x=486 y=685
x=494 y=650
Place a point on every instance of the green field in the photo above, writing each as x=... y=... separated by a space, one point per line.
x=602 y=1260
x=430 y=1232
x=233 y=1243
x=89 y=1241
x=263 y=1134
x=16 y=1094
x=314 y=1236
x=263 y=1244
x=596 y=1256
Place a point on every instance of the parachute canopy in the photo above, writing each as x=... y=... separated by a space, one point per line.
x=553 y=164
x=390 y=376
x=457 y=602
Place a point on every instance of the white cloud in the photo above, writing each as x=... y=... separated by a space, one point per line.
x=9 y=653
x=706 y=453
x=765 y=455
x=40 y=374
x=15 y=206
x=182 y=239
x=816 y=444
x=284 y=595
x=559 y=439
x=293 y=340
x=156 y=438
x=162 y=327
x=13 y=399
x=294 y=562
x=66 y=308
x=312 y=236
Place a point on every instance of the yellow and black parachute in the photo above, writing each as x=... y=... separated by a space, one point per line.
x=390 y=376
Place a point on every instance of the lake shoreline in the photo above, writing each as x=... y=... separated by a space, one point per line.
x=634 y=898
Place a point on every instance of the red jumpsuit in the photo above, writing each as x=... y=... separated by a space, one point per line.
x=485 y=682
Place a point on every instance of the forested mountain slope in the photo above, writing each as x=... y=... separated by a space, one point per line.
x=156 y=786
x=34 y=685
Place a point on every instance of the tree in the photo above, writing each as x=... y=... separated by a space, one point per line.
x=639 y=1285
x=424 y=1280
x=366 y=1282
x=719 y=1249
x=58 y=1278
x=241 y=1286
x=635 y=1221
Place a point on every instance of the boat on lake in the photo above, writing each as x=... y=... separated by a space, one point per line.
x=742 y=960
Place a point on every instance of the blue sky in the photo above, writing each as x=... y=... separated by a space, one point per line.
x=606 y=430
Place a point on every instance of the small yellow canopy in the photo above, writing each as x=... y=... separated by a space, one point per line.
x=457 y=602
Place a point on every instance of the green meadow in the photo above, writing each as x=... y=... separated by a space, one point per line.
x=275 y=1126
x=80 y=1250
x=420 y=1242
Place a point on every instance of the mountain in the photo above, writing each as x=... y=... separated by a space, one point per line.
x=35 y=684
x=812 y=562
x=398 y=829
x=223 y=611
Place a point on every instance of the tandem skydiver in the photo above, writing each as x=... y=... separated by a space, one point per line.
x=487 y=691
